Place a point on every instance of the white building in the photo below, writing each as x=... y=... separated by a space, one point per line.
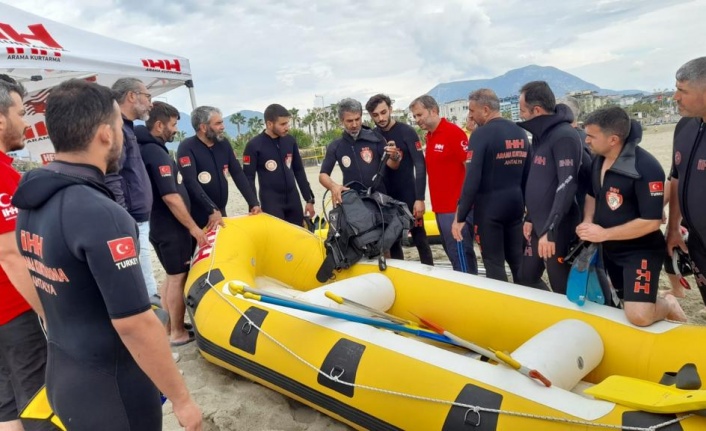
x=511 y=104
x=455 y=111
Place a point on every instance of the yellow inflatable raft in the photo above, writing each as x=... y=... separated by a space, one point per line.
x=246 y=294
x=430 y=226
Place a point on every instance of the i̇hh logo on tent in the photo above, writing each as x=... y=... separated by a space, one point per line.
x=35 y=45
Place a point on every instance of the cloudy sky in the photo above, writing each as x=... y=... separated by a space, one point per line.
x=246 y=54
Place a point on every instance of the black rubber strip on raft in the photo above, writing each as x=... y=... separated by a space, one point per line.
x=644 y=419
x=199 y=288
x=342 y=361
x=245 y=334
x=463 y=419
x=313 y=396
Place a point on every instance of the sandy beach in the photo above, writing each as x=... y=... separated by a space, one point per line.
x=231 y=402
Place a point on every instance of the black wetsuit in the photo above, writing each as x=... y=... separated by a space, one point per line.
x=495 y=172
x=408 y=183
x=550 y=193
x=171 y=240
x=204 y=171
x=632 y=188
x=82 y=252
x=279 y=169
x=358 y=159
x=689 y=168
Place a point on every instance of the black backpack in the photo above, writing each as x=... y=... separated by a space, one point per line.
x=363 y=225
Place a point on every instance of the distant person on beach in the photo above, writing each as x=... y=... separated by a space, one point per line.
x=408 y=183
x=498 y=154
x=688 y=175
x=550 y=192
x=171 y=226
x=446 y=153
x=204 y=161
x=23 y=347
x=623 y=213
x=273 y=156
x=359 y=153
x=130 y=184
x=107 y=352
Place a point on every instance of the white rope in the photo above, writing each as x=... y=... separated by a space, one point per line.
x=476 y=409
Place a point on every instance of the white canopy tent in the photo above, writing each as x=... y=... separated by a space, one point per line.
x=42 y=53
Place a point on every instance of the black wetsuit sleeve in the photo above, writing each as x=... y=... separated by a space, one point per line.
x=474 y=172
x=414 y=146
x=567 y=160
x=187 y=167
x=159 y=169
x=250 y=163
x=110 y=249
x=329 y=159
x=649 y=191
x=300 y=175
x=241 y=181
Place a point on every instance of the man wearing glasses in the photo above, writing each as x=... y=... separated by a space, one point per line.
x=131 y=184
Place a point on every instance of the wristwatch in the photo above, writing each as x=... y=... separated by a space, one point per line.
x=311 y=201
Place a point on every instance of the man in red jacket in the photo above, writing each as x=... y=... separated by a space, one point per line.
x=447 y=145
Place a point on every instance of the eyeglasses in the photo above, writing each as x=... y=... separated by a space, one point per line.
x=149 y=96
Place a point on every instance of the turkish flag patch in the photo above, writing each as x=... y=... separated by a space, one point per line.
x=246 y=160
x=184 y=161
x=122 y=248
x=418 y=145
x=656 y=186
x=165 y=171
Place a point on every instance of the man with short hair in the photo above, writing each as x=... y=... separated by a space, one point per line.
x=408 y=183
x=359 y=153
x=552 y=182
x=446 y=154
x=130 y=184
x=688 y=174
x=623 y=215
x=23 y=347
x=273 y=156
x=171 y=226
x=204 y=161
x=495 y=174
x=108 y=354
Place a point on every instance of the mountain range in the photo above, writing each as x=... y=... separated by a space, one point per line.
x=510 y=83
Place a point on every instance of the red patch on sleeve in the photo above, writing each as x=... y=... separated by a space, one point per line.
x=184 y=161
x=656 y=186
x=165 y=171
x=469 y=156
x=122 y=248
x=418 y=145
x=246 y=160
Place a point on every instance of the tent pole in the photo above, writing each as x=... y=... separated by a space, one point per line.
x=192 y=93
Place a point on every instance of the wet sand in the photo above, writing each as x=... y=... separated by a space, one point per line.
x=231 y=402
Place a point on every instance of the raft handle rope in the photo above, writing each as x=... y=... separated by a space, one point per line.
x=474 y=408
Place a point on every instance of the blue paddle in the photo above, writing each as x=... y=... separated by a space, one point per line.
x=305 y=306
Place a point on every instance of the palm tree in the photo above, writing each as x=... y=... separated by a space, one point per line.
x=256 y=124
x=308 y=120
x=294 y=112
x=180 y=136
x=238 y=119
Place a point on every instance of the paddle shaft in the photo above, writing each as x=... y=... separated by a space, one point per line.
x=490 y=353
x=298 y=305
x=345 y=301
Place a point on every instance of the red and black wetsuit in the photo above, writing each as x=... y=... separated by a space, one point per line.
x=408 y=183
x=495 y=173
x=81 y=249
x=279 y=169
x=632 y=188
x=204 y=170
x=689 y=167
x=550 y=195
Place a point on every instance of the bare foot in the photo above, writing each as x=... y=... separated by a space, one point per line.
x=677 y=292
x=675 y=311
